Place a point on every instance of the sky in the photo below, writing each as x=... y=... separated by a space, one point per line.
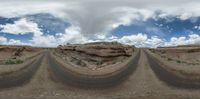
x=142 y=23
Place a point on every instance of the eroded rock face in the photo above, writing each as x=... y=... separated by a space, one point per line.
x=96 y=55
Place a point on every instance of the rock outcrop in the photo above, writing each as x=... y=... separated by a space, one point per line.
x=97 y=54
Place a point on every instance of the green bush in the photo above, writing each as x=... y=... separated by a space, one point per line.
x=9 y=62
x=178 y=61
x=163 y=56
x=99 y=63
x=163 y=52
x=13 y=61
x=169 y=59
x=19 y=61
x=151 y=50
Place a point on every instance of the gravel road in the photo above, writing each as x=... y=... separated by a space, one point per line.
x=142 y=84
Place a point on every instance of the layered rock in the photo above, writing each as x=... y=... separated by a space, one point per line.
x=96 y=54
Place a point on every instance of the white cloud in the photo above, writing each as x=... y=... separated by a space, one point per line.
x=153 y=30
x=154 y=41
x=23 y=7
x=3 y=40
x=190 y=39
x=21 y=26
x=96 y=18
x=44 y=41
x=127 y=15
x=71 y=35
x=197 y=27
x=15 y=42
x=101 y=16
x=142 y=40
x=137 y=40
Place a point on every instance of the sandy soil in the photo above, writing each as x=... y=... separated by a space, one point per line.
x=192 y=69
x=142 y=84
x=188 y=56
x=8 y=53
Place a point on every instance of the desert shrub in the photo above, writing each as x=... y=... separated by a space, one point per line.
x=195 y=63
x=163 y=52
x=19 y=51
x=80 y=63
x=13 y=61
x=163 y=56
x=99 y=63
x=152 y=50
x=83 y=64
x=178 y=61
x=60 y=46
x=1 y=49
x=169 y=59
x=10 y=62
x=19 y=61
x=183 y=62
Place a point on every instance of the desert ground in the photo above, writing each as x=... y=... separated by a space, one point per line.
x=100 y=71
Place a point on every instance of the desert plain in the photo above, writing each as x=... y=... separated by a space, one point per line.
x=101 y=70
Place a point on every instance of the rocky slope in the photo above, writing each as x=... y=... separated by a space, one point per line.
x=95 y=55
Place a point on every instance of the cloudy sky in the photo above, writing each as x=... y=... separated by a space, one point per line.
x=143 y=23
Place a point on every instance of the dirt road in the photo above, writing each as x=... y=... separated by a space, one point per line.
x=142 y=84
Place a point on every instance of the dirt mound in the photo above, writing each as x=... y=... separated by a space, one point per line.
x=95 y=55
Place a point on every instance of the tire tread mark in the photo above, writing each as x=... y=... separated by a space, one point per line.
x=21 y=76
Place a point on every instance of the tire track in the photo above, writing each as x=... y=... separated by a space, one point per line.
x=21 y=76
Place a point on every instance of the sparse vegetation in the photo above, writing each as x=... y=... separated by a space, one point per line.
x=176 y=54
x=99 y=63
x=152 y=50
x=11 y=61
x=19 y=51
x=163 y=56
x=169 y=59
x=163 y=52
x=178 y=61
x=10 y=54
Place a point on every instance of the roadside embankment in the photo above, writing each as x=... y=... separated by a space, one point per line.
x=18 y=74
x=183 y=77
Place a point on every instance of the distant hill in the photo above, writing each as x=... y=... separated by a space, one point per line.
x=192 y=45
x=114 y=43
